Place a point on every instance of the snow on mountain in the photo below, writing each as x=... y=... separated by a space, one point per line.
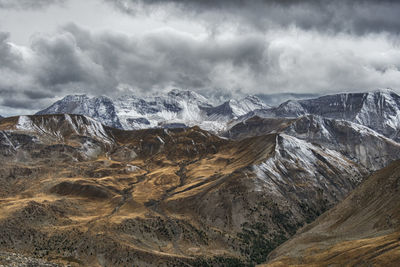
x=354 y=141
x=297 y=164
x=232 y=109
x=63 y=125
x=100 y=108
x=378 y=110
x=177 y=108
x=357 y=142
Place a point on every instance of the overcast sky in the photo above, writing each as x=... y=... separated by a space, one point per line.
x=51 y=48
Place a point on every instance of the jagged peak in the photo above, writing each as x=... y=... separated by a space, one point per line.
x=186 y=94
x=383 y=91
x=253 y=98
x=75 y=97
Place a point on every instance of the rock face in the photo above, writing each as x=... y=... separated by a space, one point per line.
x=362 y=230
x=79 y=192
x=378 y=110
x=186 y=108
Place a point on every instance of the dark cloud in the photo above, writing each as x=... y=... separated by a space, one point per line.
x=76 y=60
x=356 y=16
x=8 y=57
x=28 y=4
x=38 y=94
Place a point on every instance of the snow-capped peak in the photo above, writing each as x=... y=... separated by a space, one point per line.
x=177 y=107
x=186 y=95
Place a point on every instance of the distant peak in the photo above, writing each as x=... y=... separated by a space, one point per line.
x=187 y=94
x=76 y=97
x=253 y=99
x=384 y=91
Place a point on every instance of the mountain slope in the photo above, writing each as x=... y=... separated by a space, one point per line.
x=81 y=193
x=354 y=141
x=378 y=110
x=363 y=230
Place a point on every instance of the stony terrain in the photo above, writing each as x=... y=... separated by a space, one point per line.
x=77 y=192
x=363 y=230
x=8 y=259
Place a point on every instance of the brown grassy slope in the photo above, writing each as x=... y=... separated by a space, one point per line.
x=363 y=230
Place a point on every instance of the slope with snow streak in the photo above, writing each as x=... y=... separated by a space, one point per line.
x=298 y=167
x=357 y=142
x=354 y=141
x=62 y=126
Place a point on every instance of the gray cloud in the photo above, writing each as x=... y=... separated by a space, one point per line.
x=28 y=4
x=76 y=60
x=357 y=16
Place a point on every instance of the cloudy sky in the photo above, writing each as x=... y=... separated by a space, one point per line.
x=50 y=48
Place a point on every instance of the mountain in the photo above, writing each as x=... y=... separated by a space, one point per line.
x=77 y=192
x=358 y=143
x=100 y=108
x=278 y=98
x=363 y=230
x=378 y=110
x=234 y=108
x=177 y=108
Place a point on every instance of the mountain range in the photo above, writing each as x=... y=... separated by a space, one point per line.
x=176 y=109
x=378 y=110
x=177 y=180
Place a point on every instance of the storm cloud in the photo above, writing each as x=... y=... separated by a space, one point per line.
x=217 y=48
x=76 y=60
x=355 y=16
x=30 y=4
